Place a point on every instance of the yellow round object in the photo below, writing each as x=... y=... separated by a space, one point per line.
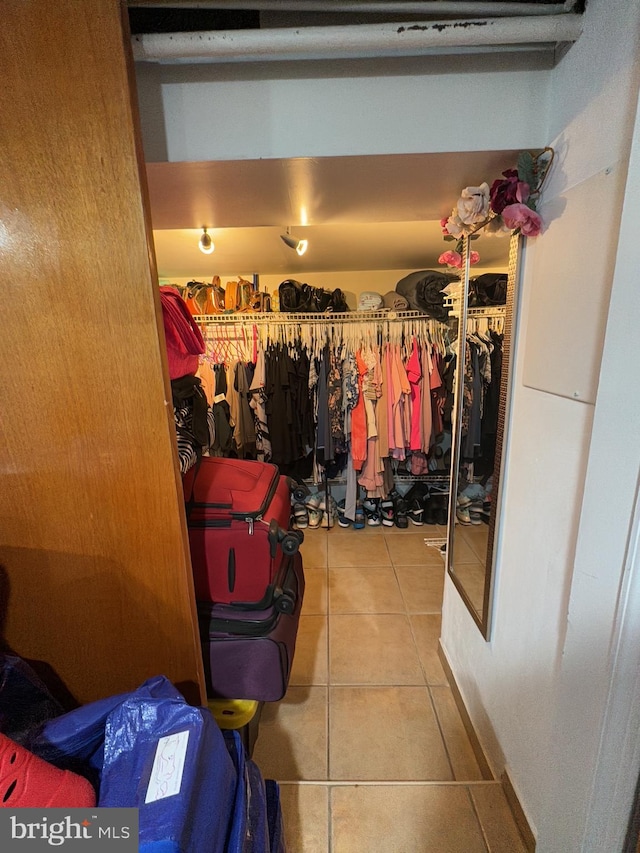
x=232 y=713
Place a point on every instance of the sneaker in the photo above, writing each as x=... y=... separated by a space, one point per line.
x=300 y=516
x=315 y=510
x=329 y=514
x=475 y=518
x=371 y=507
x=387 y=512
x=358 y=523
x=415 y=513
x=343 y=521
x=462 y=514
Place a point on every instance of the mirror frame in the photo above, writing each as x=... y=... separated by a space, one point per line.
x=484 y=620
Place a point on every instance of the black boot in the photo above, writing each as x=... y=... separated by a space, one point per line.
x=442 y=511
x=428 y=504
x=399 y=510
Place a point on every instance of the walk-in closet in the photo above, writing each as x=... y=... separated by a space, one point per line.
x=462 y=677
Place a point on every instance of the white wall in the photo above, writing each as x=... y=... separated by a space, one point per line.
x=299 y=109
x=538 y=690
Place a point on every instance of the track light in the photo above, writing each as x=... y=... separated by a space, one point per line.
x=205 y=244
x=300 y=246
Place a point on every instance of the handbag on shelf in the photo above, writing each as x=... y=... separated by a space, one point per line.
x=202 y=298
x=259 y=302
x=237 y=295
x=295 y=296
x=488 y=289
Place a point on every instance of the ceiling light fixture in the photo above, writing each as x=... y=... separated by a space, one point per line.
x=205 y=244
x=300 y=246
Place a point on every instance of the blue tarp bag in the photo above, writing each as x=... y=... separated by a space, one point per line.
x=274 y=818
x=249 y=831
x=75 y=741
x=169 y=760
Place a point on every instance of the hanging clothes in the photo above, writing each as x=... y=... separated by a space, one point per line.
x=359 y=419
x=244 y=433
x=368 y=397
x=257 y=402
x=414 y=375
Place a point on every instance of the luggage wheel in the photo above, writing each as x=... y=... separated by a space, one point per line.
x=286 y=603
x=299 y=491
x=290 y=543
x=290 y=540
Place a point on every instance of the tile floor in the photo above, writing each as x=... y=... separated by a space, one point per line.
x=368 y=744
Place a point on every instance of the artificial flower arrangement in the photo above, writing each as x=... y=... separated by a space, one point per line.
x=507 y=207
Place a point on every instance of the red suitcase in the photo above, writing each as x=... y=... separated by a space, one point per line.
x=238 y=516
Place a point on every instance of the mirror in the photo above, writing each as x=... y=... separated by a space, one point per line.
x=483 y=349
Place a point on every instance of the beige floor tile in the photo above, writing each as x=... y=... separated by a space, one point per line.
x=426 y=631
x=305 y=811
x=315 y=591
x=310 y=664
x=421 y=587
x=358 y=551
x=496 y=819
x=372 y=649
x=314 y=549
x=410 y=550
x=384 y=734
x=292 y=743
x=351 y=531
x=461 y=754
x=395 y=531
x=364 y=590
x=398 y=819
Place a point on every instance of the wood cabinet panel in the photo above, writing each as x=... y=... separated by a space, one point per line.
x=95 y=570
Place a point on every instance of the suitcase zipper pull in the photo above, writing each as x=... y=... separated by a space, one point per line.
x=250 y=523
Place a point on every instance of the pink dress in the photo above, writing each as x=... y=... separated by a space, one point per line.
x=414 y=375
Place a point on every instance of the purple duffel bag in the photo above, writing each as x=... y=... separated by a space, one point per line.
x=247 y=653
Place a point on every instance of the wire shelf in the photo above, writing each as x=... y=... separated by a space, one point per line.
x=338 y=317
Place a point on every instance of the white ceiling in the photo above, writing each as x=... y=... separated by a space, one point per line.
x=358 y=213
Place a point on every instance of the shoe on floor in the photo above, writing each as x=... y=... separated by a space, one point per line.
x=315 y=509
x=415 y=512
x=358 y=522
x=300 y=516
x=429 y=510
x=329 y=514
x=442 y=511
x=462 y=514
x=343 y=521
x=387 y=513
x=399 y=510
x=371 y=507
